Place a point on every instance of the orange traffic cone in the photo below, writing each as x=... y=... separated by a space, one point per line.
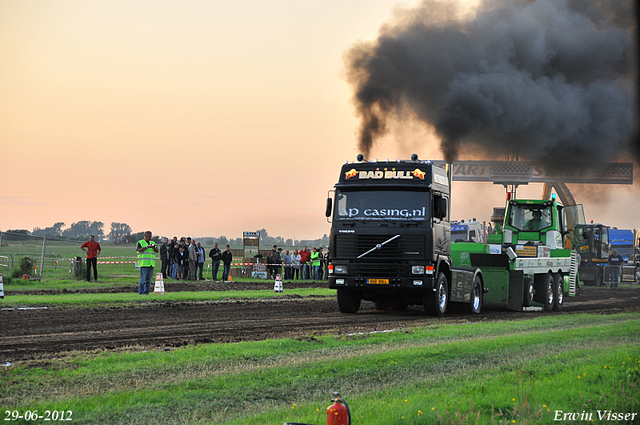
x=230 y=279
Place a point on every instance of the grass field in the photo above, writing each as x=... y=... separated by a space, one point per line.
x=521 y=372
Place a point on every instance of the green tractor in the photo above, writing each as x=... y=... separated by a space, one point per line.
x=524 y=261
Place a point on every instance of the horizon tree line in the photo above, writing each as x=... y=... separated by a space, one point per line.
x=121 y=233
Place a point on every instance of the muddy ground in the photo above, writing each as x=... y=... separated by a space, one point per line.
x=163 y=325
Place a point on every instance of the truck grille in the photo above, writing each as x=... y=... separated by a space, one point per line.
x=409 y=247
x=377 y=270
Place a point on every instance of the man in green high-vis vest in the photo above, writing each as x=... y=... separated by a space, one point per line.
x=147 y=250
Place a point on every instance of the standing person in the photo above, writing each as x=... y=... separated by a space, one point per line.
x=270 y=264
x=172 y=246
x=164 y=257
x=321 y=268
x=175 y=253
x=200 y=265
x=183 y=261
x=315 y=263
x=326 y=264
x=193 y=259
x=216 y=256
x=186 y=264
x=147 y=250
x=295 y=259
x=288 y=263
x=615 y=263
x=227 y=257
x=305 y=256
x=92 y=248
x=277 y=259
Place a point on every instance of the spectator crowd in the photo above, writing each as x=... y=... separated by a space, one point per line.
x=184 y=259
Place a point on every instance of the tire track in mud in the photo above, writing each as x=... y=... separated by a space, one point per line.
x=46 y=333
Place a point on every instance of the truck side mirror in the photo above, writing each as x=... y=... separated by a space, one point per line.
x=327 y=213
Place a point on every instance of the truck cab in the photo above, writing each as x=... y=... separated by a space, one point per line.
x=467 y=231
x=591 y=241
x=534 y=222
x=625 y=242
x=391 y=235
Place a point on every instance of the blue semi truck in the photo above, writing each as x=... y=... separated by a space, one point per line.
x=625 y=241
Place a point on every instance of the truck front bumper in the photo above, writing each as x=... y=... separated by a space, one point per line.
x=387 y=284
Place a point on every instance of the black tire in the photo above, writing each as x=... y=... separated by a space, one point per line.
x=527 y=300
x=348 y=301
x=559 y=292
x=475 y=305
x=435 y=303
x=548 y=291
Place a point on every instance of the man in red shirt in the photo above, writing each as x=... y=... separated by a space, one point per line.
x=305 y=256
x=92 y=248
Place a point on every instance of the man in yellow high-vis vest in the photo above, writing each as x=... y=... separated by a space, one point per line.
x=315 y=263
x=147 y=250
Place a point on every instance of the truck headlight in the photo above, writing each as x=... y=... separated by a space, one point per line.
x=417 y=269
x=340 y=269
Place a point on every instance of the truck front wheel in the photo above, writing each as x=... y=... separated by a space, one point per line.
x=348 y=301
x=528 y=294
x=549 y=289
x=435 y=303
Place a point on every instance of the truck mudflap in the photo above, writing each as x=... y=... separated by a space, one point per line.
x=505 y=287
x=516 y=287
x=462 y=279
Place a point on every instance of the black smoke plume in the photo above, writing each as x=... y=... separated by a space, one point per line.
x=549 y=80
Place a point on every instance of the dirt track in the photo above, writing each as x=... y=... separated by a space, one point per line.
x=156 y=324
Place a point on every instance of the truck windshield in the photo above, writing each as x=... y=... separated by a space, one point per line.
x=386 y=205
x=530 y=217
x=592 y=240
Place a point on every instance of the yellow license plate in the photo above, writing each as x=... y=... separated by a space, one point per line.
x=378 y=281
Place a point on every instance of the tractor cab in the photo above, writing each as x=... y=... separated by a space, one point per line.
x=533 y=222
x=592 y=242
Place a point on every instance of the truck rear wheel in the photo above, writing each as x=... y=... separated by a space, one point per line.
x=559 y=290
x=545 y=290
x=476 y=296
x=435 y=303
x=348 y=301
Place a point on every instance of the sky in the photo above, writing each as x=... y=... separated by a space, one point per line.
x=200 y=118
